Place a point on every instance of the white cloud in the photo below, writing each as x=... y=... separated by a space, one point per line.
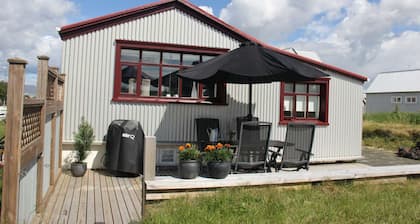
x=361 y=36
x=28 y=30
x=207 y=9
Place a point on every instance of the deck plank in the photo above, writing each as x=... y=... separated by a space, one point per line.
x=74 y=209
x=50 y=207
x=60 y=200
x=140 y=192
x=116 y=215
x=133 y=196
x=127 y=199
x=105 y=200
x=64 y=213
x=90 y=216
x=99 y=211
x=120 y=201
x=81 y=215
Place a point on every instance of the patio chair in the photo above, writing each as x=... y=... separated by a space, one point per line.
x=203 y=125
x=297 y=148
x=251 y=153
x=239 y=121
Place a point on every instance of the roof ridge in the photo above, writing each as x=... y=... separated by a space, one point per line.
x=395 y=71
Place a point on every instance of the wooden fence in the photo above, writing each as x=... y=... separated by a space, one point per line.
x=32 y=152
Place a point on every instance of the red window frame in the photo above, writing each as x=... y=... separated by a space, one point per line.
x=323 y=107
x=220 y=98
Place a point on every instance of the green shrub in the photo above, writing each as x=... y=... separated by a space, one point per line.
x=83 y=140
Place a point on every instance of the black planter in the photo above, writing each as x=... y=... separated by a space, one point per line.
x=189 y=169
x=218 y=170
x=78 y=169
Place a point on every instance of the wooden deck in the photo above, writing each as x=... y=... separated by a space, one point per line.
x=94 y=198
x=166 y=187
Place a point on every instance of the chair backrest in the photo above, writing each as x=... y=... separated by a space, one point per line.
x=253 y=141
x=298 y=136
x=202 y=125
x=239 y=121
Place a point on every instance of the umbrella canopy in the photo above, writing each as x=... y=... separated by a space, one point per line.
x=252 y=63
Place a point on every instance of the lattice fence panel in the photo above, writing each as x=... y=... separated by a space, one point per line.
x=31 y=125
x=50 y=88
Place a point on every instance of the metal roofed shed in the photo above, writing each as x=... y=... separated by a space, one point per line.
x=395 y=90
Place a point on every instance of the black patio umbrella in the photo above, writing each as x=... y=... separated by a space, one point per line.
x=252 y=63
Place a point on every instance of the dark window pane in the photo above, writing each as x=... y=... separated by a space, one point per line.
x=128 y=79
x=130 y=55
x=171 y=58
x=190 y=59
x=169 y=82
x=150 y=80
x=189 y=88
x=300 y=88
x=314 y=88
x=150 y=57
x=209 y=90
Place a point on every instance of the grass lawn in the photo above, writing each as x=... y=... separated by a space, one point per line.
x=328 y=203
x=391 y=130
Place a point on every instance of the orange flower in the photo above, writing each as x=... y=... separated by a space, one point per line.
x=219 y=145
x=181 y=148
x=208 y=148
x=227 y=145
x=212 y=147
x=188 y=145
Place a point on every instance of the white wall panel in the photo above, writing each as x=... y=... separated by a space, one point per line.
x=89 y=61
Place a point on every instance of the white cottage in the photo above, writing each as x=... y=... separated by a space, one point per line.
x=119 y=66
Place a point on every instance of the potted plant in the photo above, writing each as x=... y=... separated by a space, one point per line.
x=83 y=141
x=218 y=158
x=189 y=161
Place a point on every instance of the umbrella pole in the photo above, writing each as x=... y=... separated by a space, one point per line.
x=249 y=116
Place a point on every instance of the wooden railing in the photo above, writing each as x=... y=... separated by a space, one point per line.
x=28 y=140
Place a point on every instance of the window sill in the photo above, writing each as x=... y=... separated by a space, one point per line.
x=316 y=122
x=164 y=100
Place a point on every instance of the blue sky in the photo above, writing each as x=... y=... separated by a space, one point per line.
x=362 y=36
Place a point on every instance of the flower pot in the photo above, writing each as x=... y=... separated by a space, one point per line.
x=218 y=170
x=78 y=169
x=189 y=169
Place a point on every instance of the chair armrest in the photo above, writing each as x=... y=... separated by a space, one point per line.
x=301 y=150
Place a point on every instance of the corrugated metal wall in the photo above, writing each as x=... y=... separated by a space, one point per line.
x=89 y=60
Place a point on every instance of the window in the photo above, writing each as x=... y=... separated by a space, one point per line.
x=410 y=99
x=396 y=99
x=147 y=72
x=306 y=101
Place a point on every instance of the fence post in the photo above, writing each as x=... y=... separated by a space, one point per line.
x=41 y=93
x=15 y=95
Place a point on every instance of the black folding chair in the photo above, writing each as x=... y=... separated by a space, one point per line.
x=251 y=153
x=202 y=125
x=297 y=148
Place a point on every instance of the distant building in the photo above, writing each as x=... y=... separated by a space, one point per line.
x=396 y=90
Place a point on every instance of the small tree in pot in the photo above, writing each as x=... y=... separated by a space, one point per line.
x=83 y=142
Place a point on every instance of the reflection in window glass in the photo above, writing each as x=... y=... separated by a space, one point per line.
x=300 y=88
x=169 y=82
x=288 y=87
x=209 y=90
x=314 y=88
x=190 y=59
x=300 y=106
x=130 y=55
x=128 y=79
x=189 y=88
x=171 y=58
x=288 y=106
x=207 y=57
x=150 y=80
x=313 y=107
x=150 y=57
